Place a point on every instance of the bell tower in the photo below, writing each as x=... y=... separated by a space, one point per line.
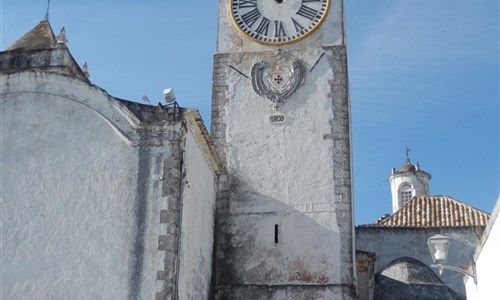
x=281 y=125
x=407 y=182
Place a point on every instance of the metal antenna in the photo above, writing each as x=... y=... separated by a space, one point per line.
x=48 y=7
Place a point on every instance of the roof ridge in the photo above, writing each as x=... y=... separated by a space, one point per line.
x=195 y=122
x=455 y=200
x=434 y=211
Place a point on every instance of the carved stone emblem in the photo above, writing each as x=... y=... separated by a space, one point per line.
x=277 y=81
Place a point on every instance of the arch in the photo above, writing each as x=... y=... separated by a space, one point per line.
x=409 y=278
x=406 y=191
x=59 y=87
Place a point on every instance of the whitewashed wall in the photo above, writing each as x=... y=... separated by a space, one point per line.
x=285 y=211
x=75 y=225
x=487 y=263
x=283 y=175
x=197 y=230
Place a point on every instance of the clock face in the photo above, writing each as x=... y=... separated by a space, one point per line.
x=278 y=21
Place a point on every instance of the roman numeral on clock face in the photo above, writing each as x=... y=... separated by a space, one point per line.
x=279 y=29
x=297 y=25
x=247 y=3
x=251 y=17
x=307 y=12
x=263 y=26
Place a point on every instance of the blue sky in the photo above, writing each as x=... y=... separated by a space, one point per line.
x=423 y=73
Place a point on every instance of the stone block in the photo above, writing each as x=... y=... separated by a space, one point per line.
x=164 y=275
x=167 y=242
x=169 y=261
x=169 y=217
x=172 y=228
x=164 y=295
x=173 y=203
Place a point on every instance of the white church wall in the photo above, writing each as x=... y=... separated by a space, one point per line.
x=198 y=213
x=487 y=262
x=81 y=194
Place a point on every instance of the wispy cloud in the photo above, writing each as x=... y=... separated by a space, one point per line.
x=428 y=55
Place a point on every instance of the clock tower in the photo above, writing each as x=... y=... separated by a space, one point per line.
x=281 y=125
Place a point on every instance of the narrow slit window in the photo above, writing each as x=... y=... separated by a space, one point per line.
x=276 y=232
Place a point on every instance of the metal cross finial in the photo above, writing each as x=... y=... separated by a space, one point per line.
x=407 y=153
x=47 y=13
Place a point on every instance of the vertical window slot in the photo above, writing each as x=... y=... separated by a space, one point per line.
x=276 y=232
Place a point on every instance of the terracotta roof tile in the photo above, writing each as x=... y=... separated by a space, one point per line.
x=434 y=211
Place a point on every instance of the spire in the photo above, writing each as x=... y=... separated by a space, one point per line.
x=61 y=38
x=40 y=37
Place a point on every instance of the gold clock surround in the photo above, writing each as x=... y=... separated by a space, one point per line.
x=250 y=33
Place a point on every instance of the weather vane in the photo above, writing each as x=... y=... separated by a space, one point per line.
x=407 y=153
x=47 y=13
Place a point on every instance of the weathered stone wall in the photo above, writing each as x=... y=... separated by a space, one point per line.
x=285 y=292
x=284 y=211
x=391 y=243
x=365 y=263
x=83 y=184
x=284 y=225
x=51 y=60
x=170 y=220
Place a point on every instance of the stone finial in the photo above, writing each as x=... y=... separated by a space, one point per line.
x=61 y=38
x=85 y=69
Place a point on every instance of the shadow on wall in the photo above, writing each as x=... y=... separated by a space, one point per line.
x=268 y=249
x=407 y=278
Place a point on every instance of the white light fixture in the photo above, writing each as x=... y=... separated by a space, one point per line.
x=171 y=107
x=169 y=95
x=438 y=247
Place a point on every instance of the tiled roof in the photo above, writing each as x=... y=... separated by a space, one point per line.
x=434 y=211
